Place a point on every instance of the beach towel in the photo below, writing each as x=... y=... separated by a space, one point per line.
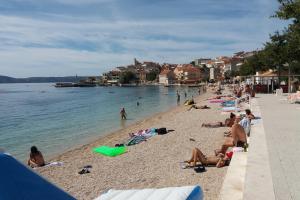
x=228 y=103
x=110 y=151
x=146 y=133
x=216 y=101
x=54 y=164
x=51 y=164
x=136 y=140
x=230 y=109
x=237 y=149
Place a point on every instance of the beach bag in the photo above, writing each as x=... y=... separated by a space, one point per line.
x=161 y=131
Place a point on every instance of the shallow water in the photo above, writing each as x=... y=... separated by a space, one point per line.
x=55 y=119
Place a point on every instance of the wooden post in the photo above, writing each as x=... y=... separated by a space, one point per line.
x=272 y=84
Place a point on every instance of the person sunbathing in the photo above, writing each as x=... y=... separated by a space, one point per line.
x=237 y=137
x=213 y=125
x=217 y=97
x=228 y=122
x=36 y=158
x=198 y=107
x=198 y=157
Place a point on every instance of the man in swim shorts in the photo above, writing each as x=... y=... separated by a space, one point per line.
x=238 y=137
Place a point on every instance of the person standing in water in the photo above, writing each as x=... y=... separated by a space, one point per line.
x=137 y=103
x=123 y=113
x=185 y=94
x=178 y=97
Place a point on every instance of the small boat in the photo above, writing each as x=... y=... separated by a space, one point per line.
x=128 y=84
x=60 y=85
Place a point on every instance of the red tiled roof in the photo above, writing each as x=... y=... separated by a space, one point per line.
x=165 y=72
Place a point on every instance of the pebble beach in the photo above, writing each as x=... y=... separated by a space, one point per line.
x=154 y=163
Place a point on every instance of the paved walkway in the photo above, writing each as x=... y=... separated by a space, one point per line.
x=258 y=179
x=281 y=122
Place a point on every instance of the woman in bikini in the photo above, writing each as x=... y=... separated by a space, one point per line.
x=198 y=157
x=228 y=122
x=36 y=158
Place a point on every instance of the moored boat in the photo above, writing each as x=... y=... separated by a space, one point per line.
x=85 y=84
x=59 y=85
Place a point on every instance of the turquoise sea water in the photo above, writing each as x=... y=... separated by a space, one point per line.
x=55 y=119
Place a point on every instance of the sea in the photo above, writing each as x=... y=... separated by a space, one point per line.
x=57 y=119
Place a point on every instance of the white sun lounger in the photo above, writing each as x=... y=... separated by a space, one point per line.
x=171 y=193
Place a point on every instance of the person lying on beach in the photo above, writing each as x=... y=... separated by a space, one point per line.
x=237 y=137
x=228 y=122
x=198 y=107
x=213 y=125
x=228 y=97
x=36 y=158
x=145 y=132
x=189 y=102
x=198 y=157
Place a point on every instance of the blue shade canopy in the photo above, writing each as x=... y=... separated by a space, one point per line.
x=17 y=182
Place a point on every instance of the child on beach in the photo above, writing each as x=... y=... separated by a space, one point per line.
x=36 y=158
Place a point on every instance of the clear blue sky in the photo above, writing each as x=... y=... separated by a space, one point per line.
x=88 y=37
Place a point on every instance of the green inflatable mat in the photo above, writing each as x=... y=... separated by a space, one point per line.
x=110 y=151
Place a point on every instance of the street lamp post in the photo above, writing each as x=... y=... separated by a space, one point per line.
x=289 y=79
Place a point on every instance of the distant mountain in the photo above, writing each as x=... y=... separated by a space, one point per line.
x=7 y=79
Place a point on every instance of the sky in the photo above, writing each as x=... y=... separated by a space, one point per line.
x=89 y=37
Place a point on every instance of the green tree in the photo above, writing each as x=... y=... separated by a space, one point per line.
x=290 y=10
x=151 y=76
x=283 y=47
x=127 y=77
x=255 y=63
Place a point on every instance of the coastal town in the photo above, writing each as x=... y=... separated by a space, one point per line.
x=172 y=100
x=197 y=71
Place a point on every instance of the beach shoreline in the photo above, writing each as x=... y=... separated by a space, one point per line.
x=154 y=163
x=114 y=133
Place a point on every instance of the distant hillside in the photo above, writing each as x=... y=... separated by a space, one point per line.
x=7 y=79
